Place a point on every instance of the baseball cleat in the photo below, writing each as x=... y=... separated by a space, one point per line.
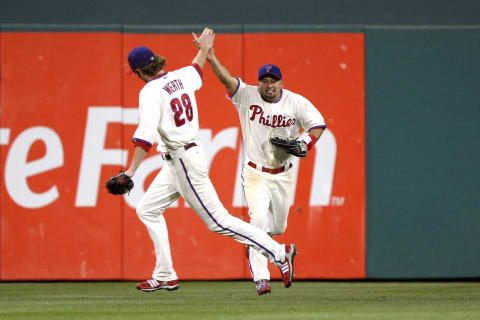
x=152 y=285
x=287 y=267
x=263 y=287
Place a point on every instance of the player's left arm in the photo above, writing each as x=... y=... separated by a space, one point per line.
x=138 y=155
x=313 y=122
x=311 y=137
x=317 y=133
x=146 y=133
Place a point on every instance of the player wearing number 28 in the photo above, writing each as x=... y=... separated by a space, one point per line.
x=271 y=118
x=168 y=110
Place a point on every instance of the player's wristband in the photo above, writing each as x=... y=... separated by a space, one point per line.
x=309 y=140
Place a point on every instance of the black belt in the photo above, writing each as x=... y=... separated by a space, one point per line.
x=167 y=156
x=270 y=170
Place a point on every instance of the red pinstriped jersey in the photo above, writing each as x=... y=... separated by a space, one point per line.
x=261 y=120
x=168 y=109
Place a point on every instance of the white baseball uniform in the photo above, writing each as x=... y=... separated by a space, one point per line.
x=267 y=180
x=168 y=109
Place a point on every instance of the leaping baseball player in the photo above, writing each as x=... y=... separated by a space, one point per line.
x=168 y=108
x=271 y=118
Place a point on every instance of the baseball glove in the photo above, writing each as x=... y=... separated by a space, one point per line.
x=119 y=184
x=297 y=148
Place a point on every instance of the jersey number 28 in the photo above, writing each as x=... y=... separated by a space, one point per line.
x=177 y=107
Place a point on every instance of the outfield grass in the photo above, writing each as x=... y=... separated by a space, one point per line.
x=238 y=300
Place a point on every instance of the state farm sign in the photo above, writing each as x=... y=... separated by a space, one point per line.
x=68 y=113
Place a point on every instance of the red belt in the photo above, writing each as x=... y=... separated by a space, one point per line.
x=190 y=145
x=167 y=156
x=269 y=170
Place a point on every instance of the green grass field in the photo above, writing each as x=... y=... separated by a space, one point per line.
x=238 y=300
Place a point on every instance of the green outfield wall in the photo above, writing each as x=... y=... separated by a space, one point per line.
x=284 y=12
x=423 y=152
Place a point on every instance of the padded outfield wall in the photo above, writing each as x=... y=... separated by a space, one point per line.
x=390 y=192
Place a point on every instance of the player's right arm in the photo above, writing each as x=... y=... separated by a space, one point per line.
x=222 y=73
x=204 y=44
x=220 y=70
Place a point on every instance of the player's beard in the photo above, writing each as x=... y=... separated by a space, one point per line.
x=268 y=96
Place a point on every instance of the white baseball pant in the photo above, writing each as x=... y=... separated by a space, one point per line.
x=268 y=198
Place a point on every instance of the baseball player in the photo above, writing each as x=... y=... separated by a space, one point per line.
x=269 y=114
x=168 y=109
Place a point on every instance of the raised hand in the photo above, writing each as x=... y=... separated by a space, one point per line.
x=206 y=34
x=205 y=40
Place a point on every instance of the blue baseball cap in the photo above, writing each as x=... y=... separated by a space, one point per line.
x=140 y=57
x=269 y=70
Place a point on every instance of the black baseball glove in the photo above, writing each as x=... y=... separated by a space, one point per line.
x=119 y=184
x=297 y=148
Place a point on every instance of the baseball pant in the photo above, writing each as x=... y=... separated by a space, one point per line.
x=186 y=175
x=268 y=198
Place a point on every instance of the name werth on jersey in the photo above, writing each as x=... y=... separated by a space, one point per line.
x=276 y=121
x=173 y=86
